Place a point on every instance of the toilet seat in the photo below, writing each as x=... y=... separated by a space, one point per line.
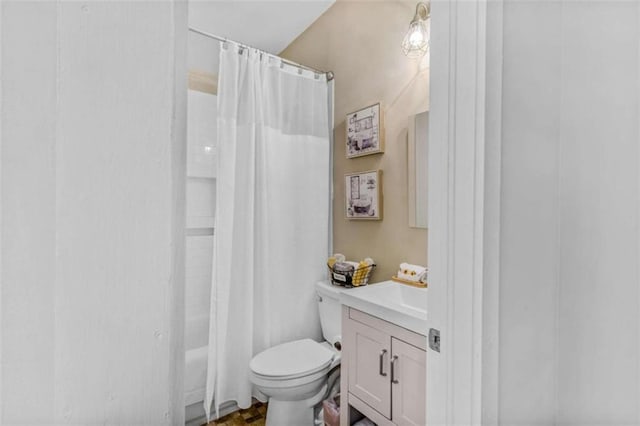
x=292 y=360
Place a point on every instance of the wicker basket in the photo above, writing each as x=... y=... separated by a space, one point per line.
x=357 y=277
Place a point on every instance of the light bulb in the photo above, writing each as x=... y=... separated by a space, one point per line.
x=415 y=37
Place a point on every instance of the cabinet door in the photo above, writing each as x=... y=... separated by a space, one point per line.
x=408 y=384
x=369 y=352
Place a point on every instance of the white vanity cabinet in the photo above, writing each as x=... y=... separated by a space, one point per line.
x=369 y=351
x=383 y=371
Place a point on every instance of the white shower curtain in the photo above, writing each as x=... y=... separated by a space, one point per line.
x=272 y=215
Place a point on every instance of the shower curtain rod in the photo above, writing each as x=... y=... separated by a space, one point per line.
x=329 y=74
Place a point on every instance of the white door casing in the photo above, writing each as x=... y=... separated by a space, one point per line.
x=463 y=229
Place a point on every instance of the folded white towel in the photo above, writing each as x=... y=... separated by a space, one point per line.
x=410 y=267
x=411 y=272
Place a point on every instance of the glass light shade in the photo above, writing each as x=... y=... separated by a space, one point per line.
x=416 y=41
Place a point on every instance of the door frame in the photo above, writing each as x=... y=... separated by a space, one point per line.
x=464 y=210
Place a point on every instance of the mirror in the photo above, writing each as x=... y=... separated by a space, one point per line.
x=417 y=154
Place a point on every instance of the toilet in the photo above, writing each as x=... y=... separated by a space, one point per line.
x=297 y=375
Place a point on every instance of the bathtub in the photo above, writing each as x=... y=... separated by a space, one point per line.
x=195 y=369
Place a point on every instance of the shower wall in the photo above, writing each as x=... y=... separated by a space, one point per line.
x=92 y=212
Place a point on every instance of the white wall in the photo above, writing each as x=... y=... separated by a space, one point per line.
x=569 y=298
x=92 y=175
x=529 y=258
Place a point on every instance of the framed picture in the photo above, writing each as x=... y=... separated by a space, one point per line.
x=364 y=195
x=365 y=133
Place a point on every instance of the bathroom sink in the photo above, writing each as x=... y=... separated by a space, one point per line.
x=396 y=303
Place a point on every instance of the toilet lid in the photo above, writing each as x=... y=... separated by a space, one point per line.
x=291 y=359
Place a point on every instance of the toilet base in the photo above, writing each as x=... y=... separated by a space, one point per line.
x=289 y=413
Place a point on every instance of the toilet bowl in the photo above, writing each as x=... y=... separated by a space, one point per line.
x=294 y=374
x=294 y=377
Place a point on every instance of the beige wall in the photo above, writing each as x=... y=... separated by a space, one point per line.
x=360 y=42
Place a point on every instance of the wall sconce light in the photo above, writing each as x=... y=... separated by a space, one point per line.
x=416 y=42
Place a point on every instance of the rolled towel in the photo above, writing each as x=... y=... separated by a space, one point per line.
x=335 y=259
x=411 y=272
x=360 y=274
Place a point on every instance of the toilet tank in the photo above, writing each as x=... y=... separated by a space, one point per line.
x=330 y=311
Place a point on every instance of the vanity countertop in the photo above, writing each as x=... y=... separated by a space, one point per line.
x=400 y=304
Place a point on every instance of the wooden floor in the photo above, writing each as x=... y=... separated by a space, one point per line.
x=254 y=416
